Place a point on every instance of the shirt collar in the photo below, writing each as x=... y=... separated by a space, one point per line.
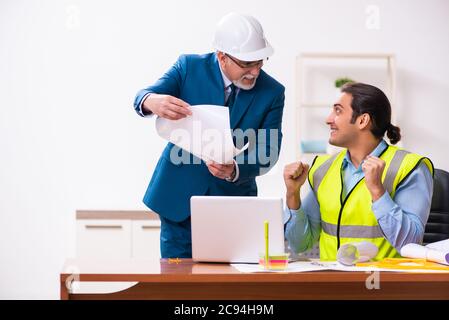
x=376 y=153
x=226 y=81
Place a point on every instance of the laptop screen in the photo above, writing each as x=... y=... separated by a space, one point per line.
x=231 y=229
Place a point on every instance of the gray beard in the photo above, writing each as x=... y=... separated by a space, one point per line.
x=239 y=84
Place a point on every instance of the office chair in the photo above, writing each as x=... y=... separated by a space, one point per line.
x=437 y=227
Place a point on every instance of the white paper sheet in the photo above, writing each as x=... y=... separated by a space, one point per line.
x=298 y=266
x=308 y=266
x=334 y=265
x=206 y=133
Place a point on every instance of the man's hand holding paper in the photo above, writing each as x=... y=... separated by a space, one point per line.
x=166 y=106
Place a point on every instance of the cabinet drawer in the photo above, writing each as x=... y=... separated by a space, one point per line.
x=145 y=234
x=104 y=238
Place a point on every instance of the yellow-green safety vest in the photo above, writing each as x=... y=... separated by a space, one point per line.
x=351 y=219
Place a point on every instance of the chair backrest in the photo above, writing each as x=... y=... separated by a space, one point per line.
x=437 y=227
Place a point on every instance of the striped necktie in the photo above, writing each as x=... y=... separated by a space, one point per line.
x=230 y=101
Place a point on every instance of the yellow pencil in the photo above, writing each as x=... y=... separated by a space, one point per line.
x=266 y=244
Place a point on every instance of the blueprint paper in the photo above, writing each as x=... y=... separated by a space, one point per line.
x=436 y=252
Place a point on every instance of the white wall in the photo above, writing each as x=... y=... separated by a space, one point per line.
x=69 y=70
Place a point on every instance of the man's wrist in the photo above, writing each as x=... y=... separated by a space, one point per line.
x=377 y=193
x=233 y=173
x=292 y=193
x=145 y=108
x=232 y=176
x=293 y=200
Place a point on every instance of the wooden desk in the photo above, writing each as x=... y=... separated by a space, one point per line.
x=186 y=280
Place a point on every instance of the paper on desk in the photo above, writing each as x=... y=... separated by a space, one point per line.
x=206 y=133
x=298 y=266
x=436 y=252
x=304 y=266
x=308 y=266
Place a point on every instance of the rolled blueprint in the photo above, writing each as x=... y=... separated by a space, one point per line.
x=437 y=254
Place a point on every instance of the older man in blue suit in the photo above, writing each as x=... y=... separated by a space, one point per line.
x=231 y=76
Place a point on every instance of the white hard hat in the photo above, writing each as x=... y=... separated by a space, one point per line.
x=241 y=36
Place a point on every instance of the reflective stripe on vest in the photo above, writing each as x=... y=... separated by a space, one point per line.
x=351 y=231
x=393 y=169
x=321 y=171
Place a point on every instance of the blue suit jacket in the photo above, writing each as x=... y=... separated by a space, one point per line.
x=197 y=79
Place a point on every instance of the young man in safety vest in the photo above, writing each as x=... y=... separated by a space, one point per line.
x=370 y=191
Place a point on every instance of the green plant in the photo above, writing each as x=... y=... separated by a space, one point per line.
x=341 y=81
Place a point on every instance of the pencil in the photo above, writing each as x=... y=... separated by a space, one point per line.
x=267 y=257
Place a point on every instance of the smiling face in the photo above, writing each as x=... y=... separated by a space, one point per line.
x=343 y=132
x=242 y=74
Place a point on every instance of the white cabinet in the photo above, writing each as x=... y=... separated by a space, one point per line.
x=117 y=235
x=114 y=235
x=104 y=239
x=145 y=238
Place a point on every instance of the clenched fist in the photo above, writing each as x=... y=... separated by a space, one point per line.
x=373 y=168
x=295 y=174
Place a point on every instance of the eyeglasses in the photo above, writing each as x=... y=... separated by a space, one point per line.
x=246 y=64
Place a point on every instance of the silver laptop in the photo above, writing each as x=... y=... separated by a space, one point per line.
x=231 y=229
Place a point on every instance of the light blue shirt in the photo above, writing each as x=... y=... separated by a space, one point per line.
x=401 y=219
